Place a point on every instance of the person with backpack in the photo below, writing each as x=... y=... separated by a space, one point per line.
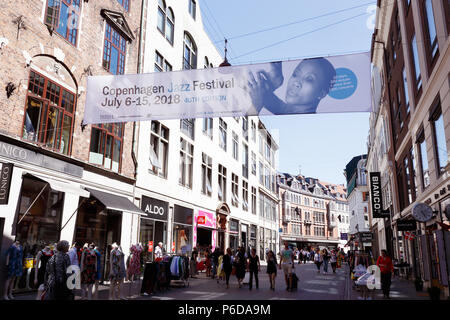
x=318 y=260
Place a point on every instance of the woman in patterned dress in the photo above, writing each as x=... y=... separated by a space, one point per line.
x=117 y=271
x=88 y=270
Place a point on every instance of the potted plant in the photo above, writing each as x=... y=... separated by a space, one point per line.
x=435 y=293
x=418 y=283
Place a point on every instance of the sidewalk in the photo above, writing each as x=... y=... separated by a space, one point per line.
x=401 y=289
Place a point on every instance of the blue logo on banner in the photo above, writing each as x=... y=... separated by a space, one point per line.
x=344 y=85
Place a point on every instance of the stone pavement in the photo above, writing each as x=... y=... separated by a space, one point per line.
x=312 y=286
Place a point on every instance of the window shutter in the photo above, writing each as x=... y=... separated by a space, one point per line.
x=52 y=16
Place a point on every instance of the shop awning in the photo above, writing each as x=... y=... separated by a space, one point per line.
x=62 y=186
x=114 y=202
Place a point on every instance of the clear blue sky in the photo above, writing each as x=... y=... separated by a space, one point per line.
x=322 y=144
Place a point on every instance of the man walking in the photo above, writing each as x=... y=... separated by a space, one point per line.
x=287 y=262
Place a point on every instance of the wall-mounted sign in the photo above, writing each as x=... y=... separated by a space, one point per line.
x=150 y=246
x=28 y=156
x=376 y=196
x=5 y=181
x=154 y=208
x=406 y=225
x=366 y=236
x=201 y=220
x=344 y=236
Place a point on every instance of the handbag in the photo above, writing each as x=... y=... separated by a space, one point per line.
x=233 y=270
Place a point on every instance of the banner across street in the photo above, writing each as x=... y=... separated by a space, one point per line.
x=317 y=85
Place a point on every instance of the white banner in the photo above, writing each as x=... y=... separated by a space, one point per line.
x=317 y=85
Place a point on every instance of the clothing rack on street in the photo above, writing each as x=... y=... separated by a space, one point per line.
x=156 y=276
x=179 y=270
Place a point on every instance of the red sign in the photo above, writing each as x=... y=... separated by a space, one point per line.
x=201 y=220
x=409 y=236
x=150 y=246
x=173 y=246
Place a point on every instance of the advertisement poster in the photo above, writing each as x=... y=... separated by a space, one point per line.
x=332 y=84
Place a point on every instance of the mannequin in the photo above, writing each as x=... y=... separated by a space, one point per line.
x=88 y=270
x=41 y=263
x=14 y=256
x=98 y=274
x=117 y=271
x=134 y=268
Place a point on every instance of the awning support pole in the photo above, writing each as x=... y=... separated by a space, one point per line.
x=82 y=202
x=35 y=199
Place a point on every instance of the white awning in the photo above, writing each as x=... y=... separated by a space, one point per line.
x=62 y=186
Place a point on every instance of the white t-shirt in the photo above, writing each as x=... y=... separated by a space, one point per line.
x=318 y=257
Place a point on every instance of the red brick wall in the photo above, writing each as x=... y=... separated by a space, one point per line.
x=89 y=51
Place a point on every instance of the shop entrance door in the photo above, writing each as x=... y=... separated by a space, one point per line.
x=113 y=234
x=204 y=237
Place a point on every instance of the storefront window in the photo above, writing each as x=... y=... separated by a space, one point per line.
x=146 y=238
x=182 y=237
x=41 y=224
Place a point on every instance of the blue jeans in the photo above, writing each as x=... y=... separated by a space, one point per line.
x=325 y=265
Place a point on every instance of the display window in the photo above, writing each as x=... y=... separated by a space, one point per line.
x=151 y=233
x=182 y=239
x=38 y=223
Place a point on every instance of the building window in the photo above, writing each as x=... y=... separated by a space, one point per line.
x=245 y=127
x=415 y=54
x=223 y=134
x=208 y=127
x=187 y=126
x=253 y=200
x=234 y=190
x=114 y=51
x=422 y=145
x=222 y=176
x=192 y=8
x=244 y=195
x=106 y=145
x=49 y=114
x=431 y=27
x=159 y=148
x=63 y=17
x=405 y=90
x=253 y=131
x=244 y=160
x=206 y=175
x=253 y=163
x=125 y=4
x=440 y=146
x=186 y=163
x=261 y=173
x=189 y=53
x=165 y=21
x=235 y=145
x=161 y=64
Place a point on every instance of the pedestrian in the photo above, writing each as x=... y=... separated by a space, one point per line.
x=208 y=263
x=215 y=261
x=240 y=264
x=312 y=254
x=287 y=261
x=227 y=266
x=305 y=256
x=326 y=259
x=318 y=260
x=55 y=278
x=193 y=263
x=159 y=252
x=333 y=260
x=272 y=268
x=384 y=262
x=253 y=267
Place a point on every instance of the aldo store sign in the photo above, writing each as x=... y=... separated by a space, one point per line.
x=154 y=208
x=5 y=181
x=376 y=196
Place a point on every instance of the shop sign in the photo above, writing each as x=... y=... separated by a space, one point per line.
x=406 y=225
x=5 y=181
x=206 y=219
x=150 y=246
x=155 y=208
x=182 y=214
x=344 y=236
x=366 y=236
x=173 y=246
x=234 y=225
x=201 y=220
x=21 y=154
x=376 y=196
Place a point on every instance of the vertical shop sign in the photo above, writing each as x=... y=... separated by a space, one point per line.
x=5 y=181
x=376 y=196
x=150 y=246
